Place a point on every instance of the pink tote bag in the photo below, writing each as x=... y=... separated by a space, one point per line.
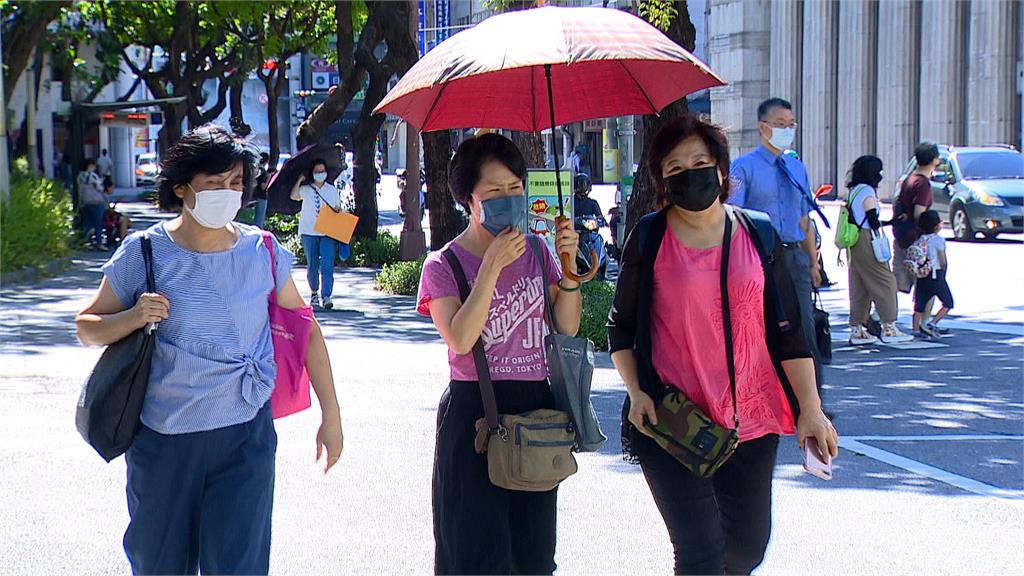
x=289 y=330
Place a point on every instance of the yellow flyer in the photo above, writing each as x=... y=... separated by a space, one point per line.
x=542 y=202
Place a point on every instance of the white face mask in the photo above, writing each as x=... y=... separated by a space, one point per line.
x=782 y=138
x=215 y=208
x=320 y=177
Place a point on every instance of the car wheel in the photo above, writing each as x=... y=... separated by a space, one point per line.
x=962 y=230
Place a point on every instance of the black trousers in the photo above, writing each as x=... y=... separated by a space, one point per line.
x=717 y=525
x=478 y=527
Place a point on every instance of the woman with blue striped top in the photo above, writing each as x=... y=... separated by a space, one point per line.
x=201 y=469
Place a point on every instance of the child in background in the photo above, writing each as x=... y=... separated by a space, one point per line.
x=934 y=285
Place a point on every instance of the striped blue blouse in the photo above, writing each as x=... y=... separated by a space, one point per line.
x=213 y=365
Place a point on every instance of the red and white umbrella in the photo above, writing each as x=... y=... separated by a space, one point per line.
x=536 y=69
x=603 y=62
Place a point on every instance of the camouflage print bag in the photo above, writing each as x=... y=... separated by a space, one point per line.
x=684 y=430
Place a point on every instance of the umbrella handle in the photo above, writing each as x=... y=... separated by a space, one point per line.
x=567 y=258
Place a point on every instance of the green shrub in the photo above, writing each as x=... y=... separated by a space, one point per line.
x=597 y=302
x=35 y=226
x=400 y=277
x=282 y=225
x=379 y=252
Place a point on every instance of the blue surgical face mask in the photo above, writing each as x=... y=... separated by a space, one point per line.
x=497 y=214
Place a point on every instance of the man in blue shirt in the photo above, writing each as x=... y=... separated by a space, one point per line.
x=776 y=183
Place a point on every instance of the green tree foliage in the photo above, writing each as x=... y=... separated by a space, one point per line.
x=268 y=34
x=24 y=25
x=175 y=47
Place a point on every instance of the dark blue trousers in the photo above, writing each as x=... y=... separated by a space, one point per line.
x=202 y=501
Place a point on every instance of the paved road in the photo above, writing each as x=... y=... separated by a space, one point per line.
x=938 y=489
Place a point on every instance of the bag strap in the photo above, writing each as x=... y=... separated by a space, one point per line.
x=326 y=203
x=268 y=241
x=483 y=372
x=805 y=193
x=549 y=307
x=727 y=315
x=147 y=259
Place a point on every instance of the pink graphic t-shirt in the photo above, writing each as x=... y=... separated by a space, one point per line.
x=688 y=340
x=514 y=333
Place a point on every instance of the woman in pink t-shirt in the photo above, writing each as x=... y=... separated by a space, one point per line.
x=666 y=330
x=480 y=528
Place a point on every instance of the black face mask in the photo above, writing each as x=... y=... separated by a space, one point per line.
x=694 y=190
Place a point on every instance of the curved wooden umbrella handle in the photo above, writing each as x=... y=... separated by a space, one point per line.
x=567 y=258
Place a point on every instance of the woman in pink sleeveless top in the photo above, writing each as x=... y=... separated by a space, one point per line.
x=666 y=331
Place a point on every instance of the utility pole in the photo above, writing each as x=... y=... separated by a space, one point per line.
x=5 y=170
x=412 y=243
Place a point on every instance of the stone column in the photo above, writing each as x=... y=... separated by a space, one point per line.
x=898 y=79
x=855 y=95
x=818 y=114
x=942 y=71
x=787 y=53
x=739 y=52
x=990 y=70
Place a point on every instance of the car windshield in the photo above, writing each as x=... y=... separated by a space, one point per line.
x=991 y=165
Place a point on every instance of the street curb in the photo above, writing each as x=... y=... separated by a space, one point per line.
x=32 y=274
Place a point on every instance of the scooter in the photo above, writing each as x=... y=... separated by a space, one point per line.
x=588 y=227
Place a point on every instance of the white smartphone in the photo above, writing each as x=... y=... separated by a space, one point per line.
x=813 y=463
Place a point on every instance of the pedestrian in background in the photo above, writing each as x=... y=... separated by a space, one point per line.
x=104 y=165
x=201 y=467
x=666 y=328
x=92 y=203
x=260 y=193
x=480 y=528
x=933 y=285
x=914 y=198
x=871 y=281
x=115 y=224
x=321 y=250
x=776 y=184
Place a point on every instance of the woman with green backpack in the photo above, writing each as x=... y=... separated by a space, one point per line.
x=871 y=279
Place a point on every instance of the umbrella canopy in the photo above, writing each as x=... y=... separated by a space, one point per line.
x=279 y=188
x=603 y=62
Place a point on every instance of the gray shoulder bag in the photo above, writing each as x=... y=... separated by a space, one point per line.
x=570 y=369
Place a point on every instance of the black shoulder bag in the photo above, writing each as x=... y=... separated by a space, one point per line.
x=111 y=401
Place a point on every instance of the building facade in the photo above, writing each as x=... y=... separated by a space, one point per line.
x=871 y=76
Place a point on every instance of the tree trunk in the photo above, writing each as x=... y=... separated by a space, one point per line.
x=532 y=147
x=21 y=39
x=237 y=121
x=171 y=131
x=644 y=197
x=445 y=221
x=364 y=175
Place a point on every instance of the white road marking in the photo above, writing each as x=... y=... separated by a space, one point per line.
x=853 y=444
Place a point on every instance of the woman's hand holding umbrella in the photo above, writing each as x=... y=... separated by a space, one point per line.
x=566 y=243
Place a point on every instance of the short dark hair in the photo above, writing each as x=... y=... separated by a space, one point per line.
x=309 y=168
x=208 y=149
x=926 y=152
x=928 y=220
x=87 y=162
x=865 y=170
x=104 y=151
x=770 y=104
x=464 y=170
x=675 y=132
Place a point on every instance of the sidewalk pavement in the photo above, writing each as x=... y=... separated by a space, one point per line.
x=372 y=513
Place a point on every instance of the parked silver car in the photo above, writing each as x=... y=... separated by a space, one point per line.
x=979 y=188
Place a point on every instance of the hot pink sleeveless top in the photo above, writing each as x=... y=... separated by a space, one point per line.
x=687 y=337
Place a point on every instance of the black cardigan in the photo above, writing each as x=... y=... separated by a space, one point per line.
x=629 y=322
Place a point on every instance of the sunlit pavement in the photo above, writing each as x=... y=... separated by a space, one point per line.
x=929 y=481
